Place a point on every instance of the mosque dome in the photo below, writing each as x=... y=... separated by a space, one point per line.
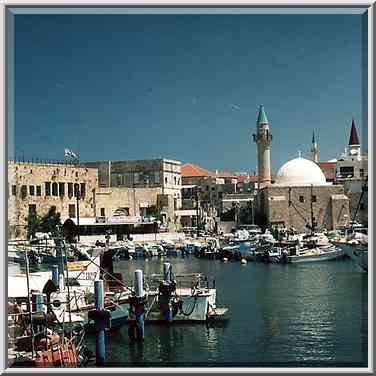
x=300 y=171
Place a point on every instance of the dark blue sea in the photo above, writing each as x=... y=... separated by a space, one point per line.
x=305 y=315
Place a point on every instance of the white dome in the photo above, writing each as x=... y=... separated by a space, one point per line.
x=300 y=171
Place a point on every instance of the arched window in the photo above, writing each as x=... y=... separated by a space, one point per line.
x=54 y=189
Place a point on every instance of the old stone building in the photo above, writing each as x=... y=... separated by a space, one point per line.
x=134 y=188
x=299 y=196
x=34 y=187
x=351 y=171
x=138 y=187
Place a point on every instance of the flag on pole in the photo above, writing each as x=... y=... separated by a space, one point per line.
x=69 y=153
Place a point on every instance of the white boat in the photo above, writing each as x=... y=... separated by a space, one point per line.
x=192 y=299
x=356 y=248
x=323 y=253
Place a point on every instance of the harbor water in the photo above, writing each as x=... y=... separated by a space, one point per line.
x=305 y=315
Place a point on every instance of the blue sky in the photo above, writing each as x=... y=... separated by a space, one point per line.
x=186 y=87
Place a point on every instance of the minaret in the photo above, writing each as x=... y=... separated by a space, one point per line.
x=314 y=148
x=354 y=144
x=263 y=139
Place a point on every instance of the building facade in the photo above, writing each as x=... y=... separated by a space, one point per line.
x=299 y=195
x=35 y=188
x=139 y=187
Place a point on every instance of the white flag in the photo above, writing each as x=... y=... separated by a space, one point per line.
x=69 y=153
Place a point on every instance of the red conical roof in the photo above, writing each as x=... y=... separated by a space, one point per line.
x=354 y=140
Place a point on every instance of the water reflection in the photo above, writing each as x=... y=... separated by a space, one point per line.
x=295 y=314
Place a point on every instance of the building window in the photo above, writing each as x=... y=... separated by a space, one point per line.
x=39 y=190
x=314 y=199
x=361 y=172
x=301 y=198
x=72 y=211
x=156 y=177
x=103 y=212
x=70 y=189
x=32 y=209
x=346 y=171
x=175 y=180
x=76 y=190
x=31 y=190
x=48 y=188
x=23 y=191
x=83 y=189
x=61 y=189
x=54 y=189
x=165 y=180
x=14 y=190
x=362 y=206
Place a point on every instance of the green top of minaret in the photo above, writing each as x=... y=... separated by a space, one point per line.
x=262 y=119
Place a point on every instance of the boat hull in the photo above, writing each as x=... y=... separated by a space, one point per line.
x=325 y=256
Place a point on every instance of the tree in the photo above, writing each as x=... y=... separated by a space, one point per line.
x=50 y=222
x=33 y=223
x=153 y=211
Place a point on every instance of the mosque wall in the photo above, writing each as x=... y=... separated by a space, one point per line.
x=291 y=206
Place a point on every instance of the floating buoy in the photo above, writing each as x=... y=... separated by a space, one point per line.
x=225 y=259
x=243 y=261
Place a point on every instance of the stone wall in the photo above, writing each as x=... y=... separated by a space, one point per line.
x=46 y=185
x=291 y=206
x=134 y=199
x=149 y=173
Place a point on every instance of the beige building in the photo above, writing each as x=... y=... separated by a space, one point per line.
x=133 y=188
x=138 y=187
x=300 y=196
x=34 y=187
x=352 y=173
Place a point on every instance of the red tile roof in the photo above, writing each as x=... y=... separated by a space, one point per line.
x=328 y=168
x=191 y=170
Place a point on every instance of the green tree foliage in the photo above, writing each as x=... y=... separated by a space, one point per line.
x=153 y=211
x=33 y=223
x=50 y=222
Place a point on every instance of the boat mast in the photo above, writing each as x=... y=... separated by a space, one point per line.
x=364 y=189
x=28 y=302
x=312 y=217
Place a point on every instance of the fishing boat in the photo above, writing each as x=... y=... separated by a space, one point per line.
x=34 y=339
x=318 y=253
x=181 y=299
